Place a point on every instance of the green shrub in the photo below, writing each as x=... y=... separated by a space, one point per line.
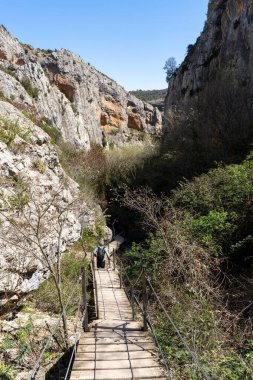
x=45 y=297
x=74 y=109
x=7 y=372
x=228 y=187
x=213 y=229
x=23 y=341
x=10 y=129
x=20 y=197
x=231 y=367
x=40 y=166
x=89 y=238
x=7 y=71
x=30 y=89
x=55 y=134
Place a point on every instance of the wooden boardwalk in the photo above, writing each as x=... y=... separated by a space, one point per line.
x=116 y=347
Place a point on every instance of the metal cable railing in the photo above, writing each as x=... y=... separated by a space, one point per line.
x=193 y=355
x=49 y=340
x=162 y=355
x=133 y=292
x=147 y=320
x=77 y=337
x=143 y=308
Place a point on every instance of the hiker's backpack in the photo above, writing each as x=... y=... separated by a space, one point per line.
x=101 y=253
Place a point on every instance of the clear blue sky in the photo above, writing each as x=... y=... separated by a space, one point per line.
x=129 y=40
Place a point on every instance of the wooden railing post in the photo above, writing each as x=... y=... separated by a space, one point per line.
x=109 y=254
x=120 y=273
x=132 y=302
x=84 y=299
x=114 y=258
x=145 y=299
x=95 y=285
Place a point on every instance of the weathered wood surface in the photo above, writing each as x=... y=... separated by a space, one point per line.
x=116 y=347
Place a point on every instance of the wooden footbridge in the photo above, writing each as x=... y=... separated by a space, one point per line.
x=115 y=347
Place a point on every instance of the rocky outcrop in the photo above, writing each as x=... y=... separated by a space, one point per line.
x=80 y=101
x=226 y=44
x=59 y=89
x=33 y=187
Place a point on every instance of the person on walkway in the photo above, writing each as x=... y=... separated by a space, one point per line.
x=100 y=252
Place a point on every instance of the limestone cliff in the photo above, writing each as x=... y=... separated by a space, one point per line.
x=78 y=100
x=33 y=191
x=226 y=44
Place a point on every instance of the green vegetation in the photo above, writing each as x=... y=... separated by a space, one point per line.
x=170 y=68
x=199 y=258
x=7 y=372
x=26 y=344
x=7 y=70
x=30 y=89
x=46 y=299
x=92 y=235
x=98 y=171
x=46 y=125
x=149 y=95
x=74 y=108
x=20 y=196
x=10 y=129
x=40 y=166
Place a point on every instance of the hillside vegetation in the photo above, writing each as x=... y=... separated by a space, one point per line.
x=149 y=95
x=199 y=257
x=185 y=205
x=196 y=239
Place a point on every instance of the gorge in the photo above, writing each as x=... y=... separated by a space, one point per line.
x=78 y=152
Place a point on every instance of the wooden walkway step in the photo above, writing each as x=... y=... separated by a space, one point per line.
x=116 y=348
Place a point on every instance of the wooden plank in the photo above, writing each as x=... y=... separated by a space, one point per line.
x=116 y=364
x=115 y=374
x=116 y=355
x=115 y=340
x=111 y=333
x=115 y=347
x=117 y=326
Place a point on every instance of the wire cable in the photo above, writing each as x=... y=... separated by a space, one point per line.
x=37 y=364
x=194 y=357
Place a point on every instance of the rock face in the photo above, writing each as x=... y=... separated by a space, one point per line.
x=226 y=44
x=79 y=101
x=33 y=187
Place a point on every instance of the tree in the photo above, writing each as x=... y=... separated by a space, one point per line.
x=36 y=232
x=170 y=68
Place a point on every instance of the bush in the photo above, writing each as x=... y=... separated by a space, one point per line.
x=53 y=132
x=40 y=166
x=7 y=71
x=218 y=206
x=45 y=297
x=30 y=89
x=184 y=257
x=10 y=129
x=7 y=372
x=213 y=229
x=98 y=170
